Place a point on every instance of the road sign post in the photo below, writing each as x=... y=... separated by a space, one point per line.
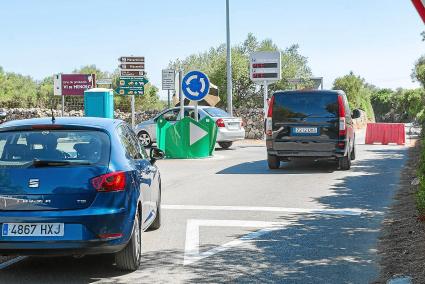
x=265 y=69
x=168 y=82
x=132 y=80
x=189 y=138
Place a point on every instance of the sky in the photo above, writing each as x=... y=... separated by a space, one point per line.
x=376 y=39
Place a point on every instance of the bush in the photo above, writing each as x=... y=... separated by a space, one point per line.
x=420 y=194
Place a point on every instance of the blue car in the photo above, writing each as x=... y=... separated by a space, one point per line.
x=76 y=186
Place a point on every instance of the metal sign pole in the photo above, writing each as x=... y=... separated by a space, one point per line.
x=196 y=111
x=181 y=98
x=169 y=102
x=63 y=105
x=133 y=107
x=229 y=62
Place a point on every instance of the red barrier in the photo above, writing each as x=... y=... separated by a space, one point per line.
x=385 y=133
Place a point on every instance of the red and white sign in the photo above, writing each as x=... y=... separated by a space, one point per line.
x=73 y=84
x=420 y=7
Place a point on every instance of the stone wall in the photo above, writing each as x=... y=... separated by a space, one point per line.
x=253 y=119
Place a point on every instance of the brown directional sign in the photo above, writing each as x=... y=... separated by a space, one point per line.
x=132 y=59
x=132 y=73
x=140 y=66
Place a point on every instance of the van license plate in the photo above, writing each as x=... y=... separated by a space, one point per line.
x=304 y=130
x=33 y=230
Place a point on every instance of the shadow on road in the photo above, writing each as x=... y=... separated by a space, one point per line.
x=315 y=249
x=294 y=167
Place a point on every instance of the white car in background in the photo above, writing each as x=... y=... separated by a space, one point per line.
x=230 y=129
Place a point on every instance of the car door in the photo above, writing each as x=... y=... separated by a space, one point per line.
x=141 y=169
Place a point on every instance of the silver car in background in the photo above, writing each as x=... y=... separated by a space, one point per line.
x=230 y=129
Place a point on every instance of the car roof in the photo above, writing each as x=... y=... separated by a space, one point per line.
x=89 y=122
x=327 y=92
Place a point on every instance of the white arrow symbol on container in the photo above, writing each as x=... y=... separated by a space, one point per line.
x=196 y=133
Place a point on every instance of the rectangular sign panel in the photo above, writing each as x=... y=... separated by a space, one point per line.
x=133 y=82
x=130 y=91
x=104 y=81
x=76 y=84
x=132 y=59
x=140 y=66
x=132 y=73
x=168 y=79
x=265 y=66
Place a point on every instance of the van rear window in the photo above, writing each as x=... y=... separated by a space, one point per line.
x=301 y=105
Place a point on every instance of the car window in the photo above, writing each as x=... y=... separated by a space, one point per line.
x=129 y=146
x=216 y=112
x=301 y=105
x=18 y=148
x=136 y=142
x=191 y=113
x=171 y=115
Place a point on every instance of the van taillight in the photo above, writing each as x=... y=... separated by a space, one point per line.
x=269 y=119
x=109 y=182
x=341 y=112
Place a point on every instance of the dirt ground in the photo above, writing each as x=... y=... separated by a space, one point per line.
x=401 y=246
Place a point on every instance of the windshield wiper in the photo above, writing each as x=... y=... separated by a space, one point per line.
x=57 y=163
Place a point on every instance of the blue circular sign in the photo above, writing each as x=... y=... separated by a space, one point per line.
x=195 y=85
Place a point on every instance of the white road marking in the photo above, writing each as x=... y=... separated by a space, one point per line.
x=12 y=261
x=341 y=211
x=191 y=252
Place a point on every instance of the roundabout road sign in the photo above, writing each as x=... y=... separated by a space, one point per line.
x=195 y=85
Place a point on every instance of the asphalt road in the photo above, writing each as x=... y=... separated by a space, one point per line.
x=230 y=219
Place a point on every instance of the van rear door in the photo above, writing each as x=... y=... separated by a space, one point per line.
x=305 y=121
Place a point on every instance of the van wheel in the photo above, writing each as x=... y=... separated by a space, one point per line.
x=345 y=162
x=129 y=258
x=225 y=145
x=273 y=162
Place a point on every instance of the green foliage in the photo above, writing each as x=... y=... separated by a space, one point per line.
x=20 y=91
x=420 y=194
x=358 y=92
x=400 y=105
x=418 y=72
x=245 y=93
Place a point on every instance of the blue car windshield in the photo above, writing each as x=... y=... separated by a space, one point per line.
x=22 y=148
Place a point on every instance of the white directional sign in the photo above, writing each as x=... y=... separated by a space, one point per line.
x=168 y=79
x=196 y=133
x=265 y=66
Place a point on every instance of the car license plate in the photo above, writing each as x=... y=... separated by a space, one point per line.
x=33 y=230
x=304 y=130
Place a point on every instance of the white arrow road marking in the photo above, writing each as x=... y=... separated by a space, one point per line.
x=196 y=133
x=12 y=261
x=342 y=211
x=192 y=254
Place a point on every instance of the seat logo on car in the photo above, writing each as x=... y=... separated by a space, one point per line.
x=34 y=183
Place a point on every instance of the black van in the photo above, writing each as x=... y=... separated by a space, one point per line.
x=310 y=124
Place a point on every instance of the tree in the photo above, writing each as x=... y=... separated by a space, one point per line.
x=418 y=72
x=357 y=91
